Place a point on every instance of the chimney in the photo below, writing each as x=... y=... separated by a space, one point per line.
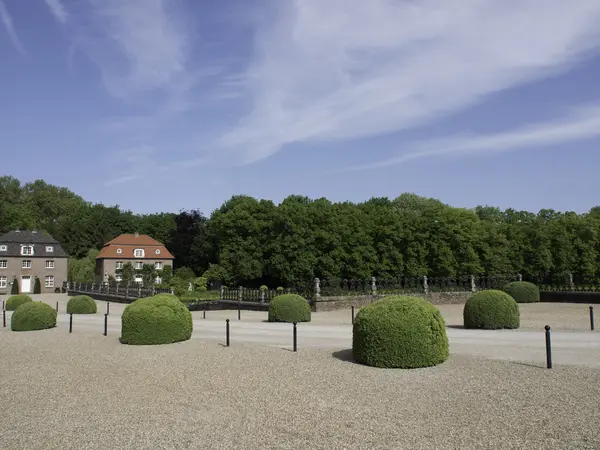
x=137 y=234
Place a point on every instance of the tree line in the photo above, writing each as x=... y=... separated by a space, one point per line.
x=254 y=242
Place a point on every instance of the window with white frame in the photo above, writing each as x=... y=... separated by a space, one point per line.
x=49 y=281
x=139 y=265
x=3 y=281
x=158 y=280
x=138 y=279
x=3 y=248
x=118 y=278
x=138 y=253
x=27 y=250
x=119 y=251
x=49 y=248
x=49 y=264
x=157 y=251
x=119 y=265
x=3 y=264
x=26 y=264
x=158 y=265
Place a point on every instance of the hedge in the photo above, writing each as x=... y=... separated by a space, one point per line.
x=523 y=291
x=491 y=310
x=33 y=316
x=400 y=332
x=289 y=308
x=15 y=301
x=162 y=319
x=81 y=304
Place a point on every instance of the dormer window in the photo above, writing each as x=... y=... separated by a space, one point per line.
x=3 y=248
x=27 y=250
x=138 y=253
x=119 y=251
x=49 y=248
x=157 y=251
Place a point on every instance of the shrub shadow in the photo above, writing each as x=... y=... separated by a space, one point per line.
x=458 y=327
x=344 y=355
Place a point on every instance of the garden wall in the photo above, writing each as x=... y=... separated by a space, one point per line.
x=358 y=301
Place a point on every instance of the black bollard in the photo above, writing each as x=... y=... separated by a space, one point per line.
x=107 y=308
x=70 y=323
x=204 y=314
x=227 y=331
x=592 y=318
x=106 y=324
x=295 y=338
x=353 y=315
x=239 y=313
x=57 y=307
x=4 y=318
x=548 y=348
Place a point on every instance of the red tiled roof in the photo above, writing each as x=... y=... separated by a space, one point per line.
x=128 y=243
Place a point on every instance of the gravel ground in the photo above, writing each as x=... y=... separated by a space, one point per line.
x=92 y=392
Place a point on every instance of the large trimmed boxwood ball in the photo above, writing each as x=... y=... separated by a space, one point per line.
x=161 y=319
x=491 y=310
x=81 y=304
x=400 y=332
x=15 y=301
x=523 y=291
x=289 y=308
x=33 y=316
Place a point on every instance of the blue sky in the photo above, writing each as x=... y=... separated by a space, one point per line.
x=180 y=104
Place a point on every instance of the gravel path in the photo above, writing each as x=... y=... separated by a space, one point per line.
x=84 y=390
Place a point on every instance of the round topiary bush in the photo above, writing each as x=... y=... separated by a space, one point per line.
x=161 y=319
x=32 y=316
x=523 y=291
x=15 y=301
x=81 y=304
x=289 y=308
x=491 y=310
x=400 y=332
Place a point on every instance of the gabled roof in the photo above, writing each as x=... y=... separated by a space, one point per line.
x=39 y=239
x=128 y=243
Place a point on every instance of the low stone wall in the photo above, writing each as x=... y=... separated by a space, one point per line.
x=358 y=301
x=570 y=297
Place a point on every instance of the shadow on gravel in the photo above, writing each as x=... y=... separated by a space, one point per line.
x=528 y=364
x=458 y=327
x=344 y=355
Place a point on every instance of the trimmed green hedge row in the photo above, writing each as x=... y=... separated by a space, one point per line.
x=400 y=332
x=14 y=301
x=162 y=319
x=81 y=304
x=491 y=310
x=289 y=308
x=523 y=291
x=32 y=316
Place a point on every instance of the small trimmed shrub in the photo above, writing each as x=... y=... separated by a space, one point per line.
x=33 y=316
x=15 y=301
x=523 y=291
x=491 y=310
x=37 y=287
x=263 y=288
x=289 y=308
x=14 y=289
x=162 y=319
x=81 y=304
x=400 y=332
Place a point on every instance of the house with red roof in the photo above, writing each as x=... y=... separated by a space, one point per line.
x=137 y=249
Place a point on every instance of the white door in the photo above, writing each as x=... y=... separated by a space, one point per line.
x=25 y=284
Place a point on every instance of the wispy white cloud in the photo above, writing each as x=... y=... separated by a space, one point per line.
x=343 y=69
x=58 y=10
x=10 y=28
x=582 y=123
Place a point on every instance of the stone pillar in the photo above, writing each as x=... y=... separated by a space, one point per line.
x=240 y=293
x=473 y=286
x=519 y=277
x=373 y=286
x=173 y=291
x=317 y=288
x=425 y=285
x=571 y=283
x=222 y=290
x=262 y=295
